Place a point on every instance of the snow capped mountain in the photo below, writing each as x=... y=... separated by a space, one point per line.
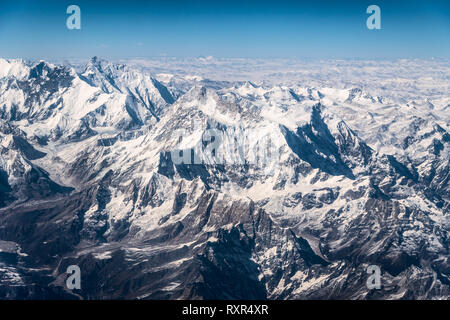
x=111 y=78
x=13 y=68
x=176 y=186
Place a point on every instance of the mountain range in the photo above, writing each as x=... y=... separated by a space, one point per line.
x=282 y=191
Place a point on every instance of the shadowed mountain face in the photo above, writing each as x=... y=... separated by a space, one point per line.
x=200 y=189
x=314 y=144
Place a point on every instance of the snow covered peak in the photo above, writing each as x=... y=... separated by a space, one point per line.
x=111 y=77
x=13 y=68
x=358 y=95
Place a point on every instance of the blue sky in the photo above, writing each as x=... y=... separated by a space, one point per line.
x=263 y=29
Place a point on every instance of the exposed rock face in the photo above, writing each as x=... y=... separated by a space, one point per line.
x=276 y=196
